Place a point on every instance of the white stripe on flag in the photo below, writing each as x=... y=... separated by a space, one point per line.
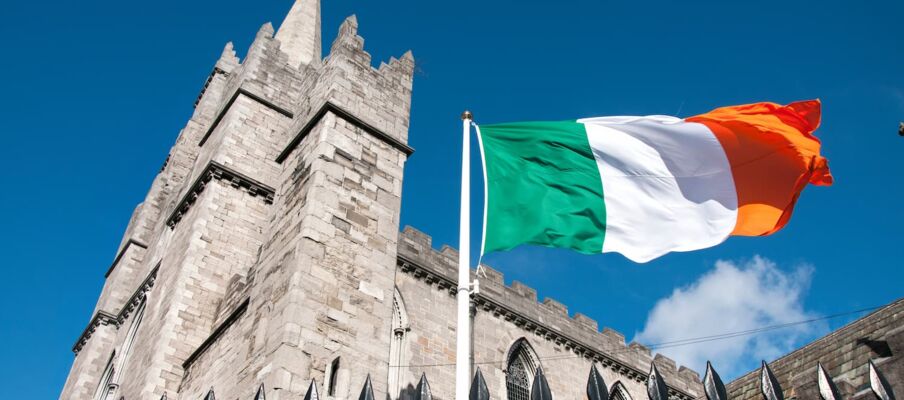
x=667 y=185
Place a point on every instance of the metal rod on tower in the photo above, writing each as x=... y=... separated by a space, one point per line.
x=463 y=351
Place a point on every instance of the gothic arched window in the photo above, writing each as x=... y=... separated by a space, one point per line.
x=398 y=348
x=126 y=348
x=334 y=378
x=618 y=392
x=521 y=365
x=517 y=381
x=104 y=390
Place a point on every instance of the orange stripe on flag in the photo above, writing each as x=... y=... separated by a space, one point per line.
x=773 y=155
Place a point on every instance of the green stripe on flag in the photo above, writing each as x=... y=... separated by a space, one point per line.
x=543 y=187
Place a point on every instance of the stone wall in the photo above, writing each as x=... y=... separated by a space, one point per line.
x=270 y=231
x=268 y=246
x=844 y=353
x=565 y=345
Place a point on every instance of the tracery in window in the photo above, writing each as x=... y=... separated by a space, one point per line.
x=618 y=392
x=521 y=365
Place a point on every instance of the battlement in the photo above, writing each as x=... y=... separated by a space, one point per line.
x=379 y=99
x=345 y=78
x=517 y=303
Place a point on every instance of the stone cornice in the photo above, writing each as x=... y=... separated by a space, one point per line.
x=229 y=321
x=500 y=310
x=241 y=92
x=329 y=107
x=119 y=255
x=138 y=295
x=102 y=317
x=215 y=170
x=215 y=72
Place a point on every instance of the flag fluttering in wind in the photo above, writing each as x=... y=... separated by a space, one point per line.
x=646 y=186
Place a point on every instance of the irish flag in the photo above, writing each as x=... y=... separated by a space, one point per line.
x=646 y=186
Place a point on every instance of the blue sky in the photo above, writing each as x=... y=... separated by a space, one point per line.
x=97 y=91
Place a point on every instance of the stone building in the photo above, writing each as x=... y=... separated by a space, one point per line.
x=845 y=354
x=267 y=251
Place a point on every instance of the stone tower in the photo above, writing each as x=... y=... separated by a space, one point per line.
x=265 y=250
x=267 y=254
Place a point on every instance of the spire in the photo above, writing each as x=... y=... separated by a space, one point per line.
x=299 y=33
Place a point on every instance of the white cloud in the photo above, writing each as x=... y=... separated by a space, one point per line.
x=733 y=297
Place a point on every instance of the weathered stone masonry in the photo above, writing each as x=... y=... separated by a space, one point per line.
x=565 y=346
x=844 y=353
x=267 y=251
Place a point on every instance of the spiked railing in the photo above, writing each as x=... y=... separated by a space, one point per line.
x=879 y=384
x=367 y=392
x=540 y=389
x=260 y=393
x=596 y=386
x=656 y=388
x=479 y=389
x=422 y=392
x=769 y=385
x=312 y=391
x=712 y=384
x=827 y=388
x=655 y=385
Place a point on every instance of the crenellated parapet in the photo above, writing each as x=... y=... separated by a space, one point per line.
x=378 y=100
x=549 y=319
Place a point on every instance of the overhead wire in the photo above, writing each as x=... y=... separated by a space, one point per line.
x=667 y=344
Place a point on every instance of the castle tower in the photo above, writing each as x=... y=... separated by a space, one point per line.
x=265 y=250
x=267 y=254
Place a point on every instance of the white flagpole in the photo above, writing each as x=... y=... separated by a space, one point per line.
x=463 y=332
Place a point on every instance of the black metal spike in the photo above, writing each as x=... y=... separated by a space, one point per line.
x=879 y=384
x=312 y=391
x=163 y=397
x=260 y=395
x=712 y=384
x=596 y=386
x=540 y=389
x=367 y=392
x=210 y=395
x=827 y=388
x=423 y=389
x=769 y=385
x=479 y=389
x=656 y=388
